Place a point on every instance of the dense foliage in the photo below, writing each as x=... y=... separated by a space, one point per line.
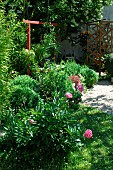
x=5 y=47
x=39 y=121
x=69 y=14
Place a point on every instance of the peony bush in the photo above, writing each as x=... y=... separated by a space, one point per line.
x=39 y=125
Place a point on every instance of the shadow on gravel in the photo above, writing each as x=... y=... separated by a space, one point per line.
x=101 y=102
x=104 y=82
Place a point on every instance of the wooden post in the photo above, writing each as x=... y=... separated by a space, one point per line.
x=29 y=36
x=29 y=45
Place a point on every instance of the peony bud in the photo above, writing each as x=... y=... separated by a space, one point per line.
x=88 y=134
x=80 y=87
x=31 y=121
x=68 y=95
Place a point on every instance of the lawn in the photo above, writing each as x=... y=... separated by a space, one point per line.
x=97 y=152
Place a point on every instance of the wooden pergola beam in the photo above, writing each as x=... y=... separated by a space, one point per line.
x=39 y=23
x=29 y=29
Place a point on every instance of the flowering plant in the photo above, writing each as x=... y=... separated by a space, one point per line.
x=69 y=95
x=75 y=89
x=88 y=133
x=75 y=79
x=80 y=87
x=77 y=83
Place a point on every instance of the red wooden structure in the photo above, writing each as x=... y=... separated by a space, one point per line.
x=29 y=29
x=29 y=35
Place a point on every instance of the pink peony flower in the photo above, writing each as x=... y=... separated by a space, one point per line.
x=88 y=133
x=75 y=79
x=68 y=95
x=80 y=87
x=31 y=121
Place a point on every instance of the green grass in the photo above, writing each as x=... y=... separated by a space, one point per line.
x=97 y=152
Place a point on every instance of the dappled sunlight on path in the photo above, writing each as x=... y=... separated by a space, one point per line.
x=100 y=96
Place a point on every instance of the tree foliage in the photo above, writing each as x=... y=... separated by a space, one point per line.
x=68 y=14
x=65 y=12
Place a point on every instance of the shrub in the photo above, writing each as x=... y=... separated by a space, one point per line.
x=54 y=79
x=17 y=31
x=24 y=62
x=90 y=76
x=108 y=63
x=40 y=138
x=72 y=68
x=51 y=81
x=24 y=93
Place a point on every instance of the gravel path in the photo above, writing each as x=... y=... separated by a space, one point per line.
x=100 y=96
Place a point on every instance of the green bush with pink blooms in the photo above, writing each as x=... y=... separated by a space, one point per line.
x=40 y=125
x=45 y=133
